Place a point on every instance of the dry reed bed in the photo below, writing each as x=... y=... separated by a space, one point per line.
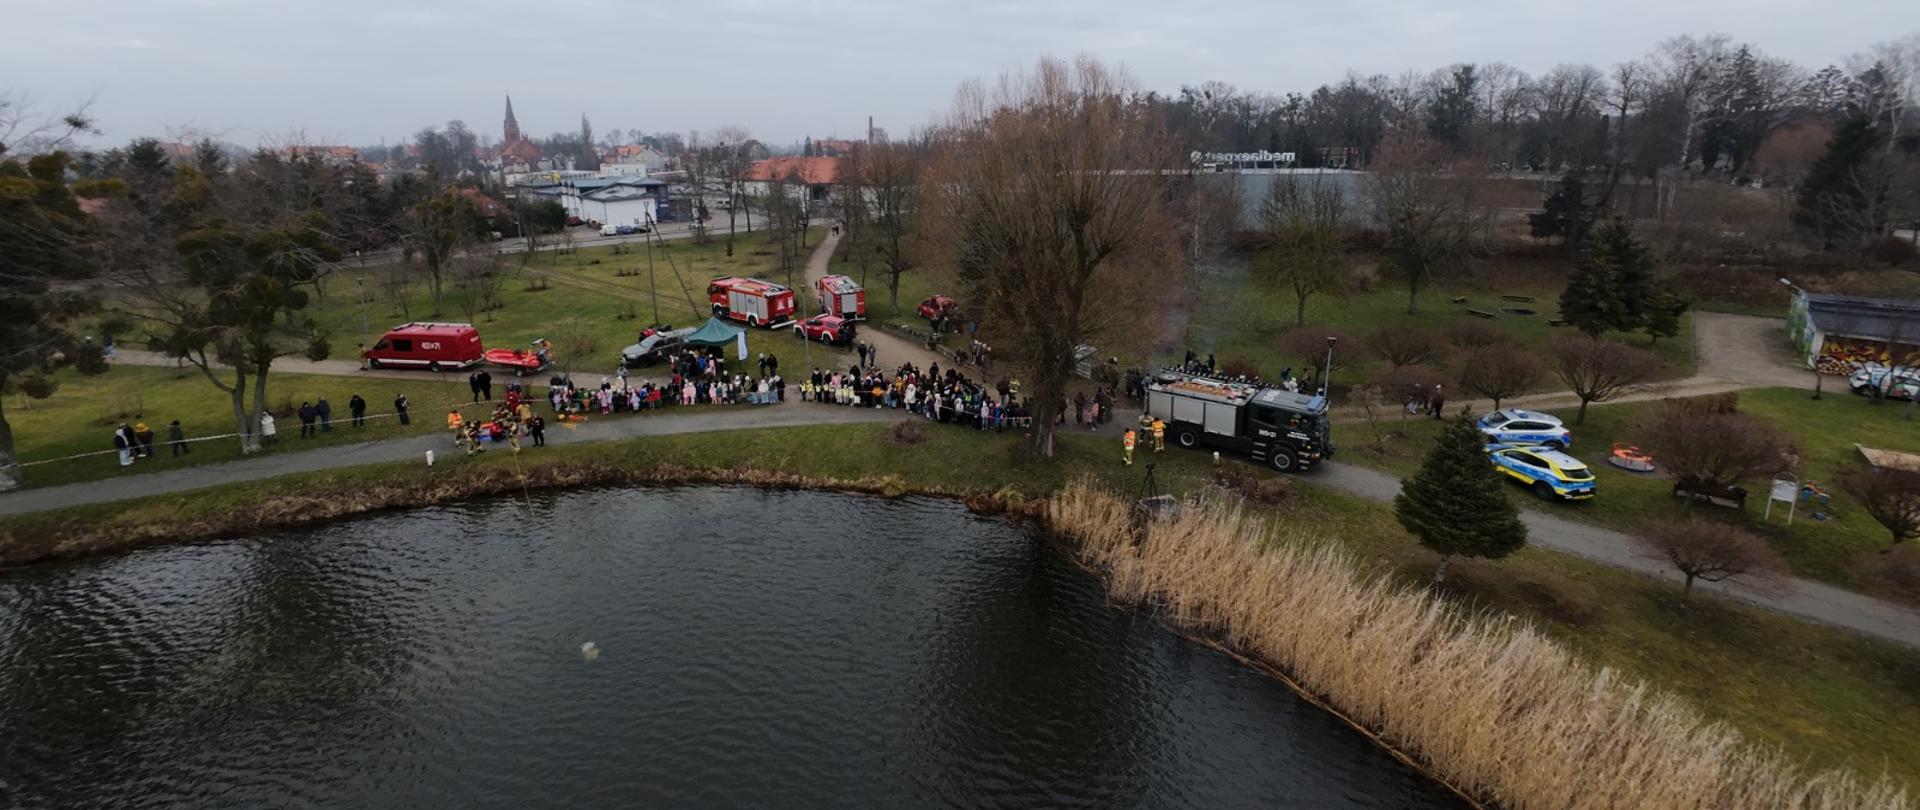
x=1490 y=706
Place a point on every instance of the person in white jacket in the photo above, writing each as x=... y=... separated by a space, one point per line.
x=267 y=429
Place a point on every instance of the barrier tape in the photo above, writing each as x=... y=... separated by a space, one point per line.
x=158 y=441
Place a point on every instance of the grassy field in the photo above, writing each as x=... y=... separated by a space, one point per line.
x=1826 y=430
x=1239 y=315
x=1826 y=696
x=606 y=288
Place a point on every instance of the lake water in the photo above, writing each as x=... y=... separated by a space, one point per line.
x=765 y=649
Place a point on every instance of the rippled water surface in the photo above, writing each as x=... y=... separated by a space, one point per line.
x=770 y=649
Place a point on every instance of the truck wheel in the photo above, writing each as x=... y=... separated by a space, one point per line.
x=753 y=320
x=1187 y=438
x=1543 y=490
x=434 y=367
x=1282 y=460
x=373 y=363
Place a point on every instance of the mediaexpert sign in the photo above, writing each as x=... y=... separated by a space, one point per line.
x=1262 y=156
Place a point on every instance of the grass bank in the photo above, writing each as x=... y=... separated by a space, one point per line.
x=1495 y=708
x=1826 y=430
x=1827 y=697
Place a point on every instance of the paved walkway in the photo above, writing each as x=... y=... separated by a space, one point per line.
x=701 y=419
x=1806 y=599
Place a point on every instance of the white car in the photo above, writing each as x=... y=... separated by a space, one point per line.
x=1904 y=382
x=1525 y=428
x=609 y=230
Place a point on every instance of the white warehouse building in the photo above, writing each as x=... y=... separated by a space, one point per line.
x=607 y=200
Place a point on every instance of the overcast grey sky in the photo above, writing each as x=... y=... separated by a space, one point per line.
x=354 y=71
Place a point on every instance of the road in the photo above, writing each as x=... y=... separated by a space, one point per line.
x=583 y=237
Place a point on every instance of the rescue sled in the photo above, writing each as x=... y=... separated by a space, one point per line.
x=520 y=360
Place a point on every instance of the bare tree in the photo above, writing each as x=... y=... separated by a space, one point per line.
x=888 y=174
x=1308 y=346
x=576 y=341
x=1707 y=451
x=1406 y=345
x=1891 y=496
x=1600 y=370
x=1499 y=372
x=1303 y=222
x=477 y=276
x=1431 y=206
x=729 y=143
x=1713 y=551
x=1052 y=187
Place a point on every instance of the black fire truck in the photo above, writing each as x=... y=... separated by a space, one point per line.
x=1283 y=429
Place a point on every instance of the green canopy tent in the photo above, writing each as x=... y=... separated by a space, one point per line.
x=714 y=332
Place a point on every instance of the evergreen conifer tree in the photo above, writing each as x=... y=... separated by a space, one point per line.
x=1663 y=316
x=1566 y=213
x=1842 y=201
x=1591 y=302
x=1454 y=504
x=1631 y=270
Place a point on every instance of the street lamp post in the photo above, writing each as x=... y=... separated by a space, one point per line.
x=1326 y=374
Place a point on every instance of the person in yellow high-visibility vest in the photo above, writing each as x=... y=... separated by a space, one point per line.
x=1126 y=444
x=454 y=426
x=1159 y=435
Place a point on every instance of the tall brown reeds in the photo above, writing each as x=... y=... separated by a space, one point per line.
x=1491 y=706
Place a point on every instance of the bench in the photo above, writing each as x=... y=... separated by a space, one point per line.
x=1525 y=299
x=1557 y=322
x=1481 y=313
x=1457 y=300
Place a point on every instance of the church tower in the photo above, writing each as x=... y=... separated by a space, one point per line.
x=512 y=127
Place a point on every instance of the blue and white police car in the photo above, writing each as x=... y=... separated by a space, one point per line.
x=1550 y=474
x=1532 y=428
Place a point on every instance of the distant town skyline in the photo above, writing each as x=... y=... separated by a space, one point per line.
x=356 y=72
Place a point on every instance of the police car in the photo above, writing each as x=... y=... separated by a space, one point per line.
x=1515 y=426
x=1549 y=473
x=1899 y=382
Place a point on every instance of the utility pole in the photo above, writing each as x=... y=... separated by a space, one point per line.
x=651 y=287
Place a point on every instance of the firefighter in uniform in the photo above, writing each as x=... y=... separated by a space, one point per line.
x=1126 y=445
x=454 y=427
x=1159 y=435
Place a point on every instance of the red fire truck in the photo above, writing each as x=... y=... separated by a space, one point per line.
x=432 y=346
x=842 y=296
x=759 y=303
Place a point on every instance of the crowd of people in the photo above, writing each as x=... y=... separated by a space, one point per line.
x=936 y=394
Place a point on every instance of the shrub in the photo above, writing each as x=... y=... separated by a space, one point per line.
x=1712 y=551
x=909 y=432
x=1598 y=370
x=1891 y=496
x=1475 y=334
x=1406 y=345
x=1500 y=371
x=1708 y=451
